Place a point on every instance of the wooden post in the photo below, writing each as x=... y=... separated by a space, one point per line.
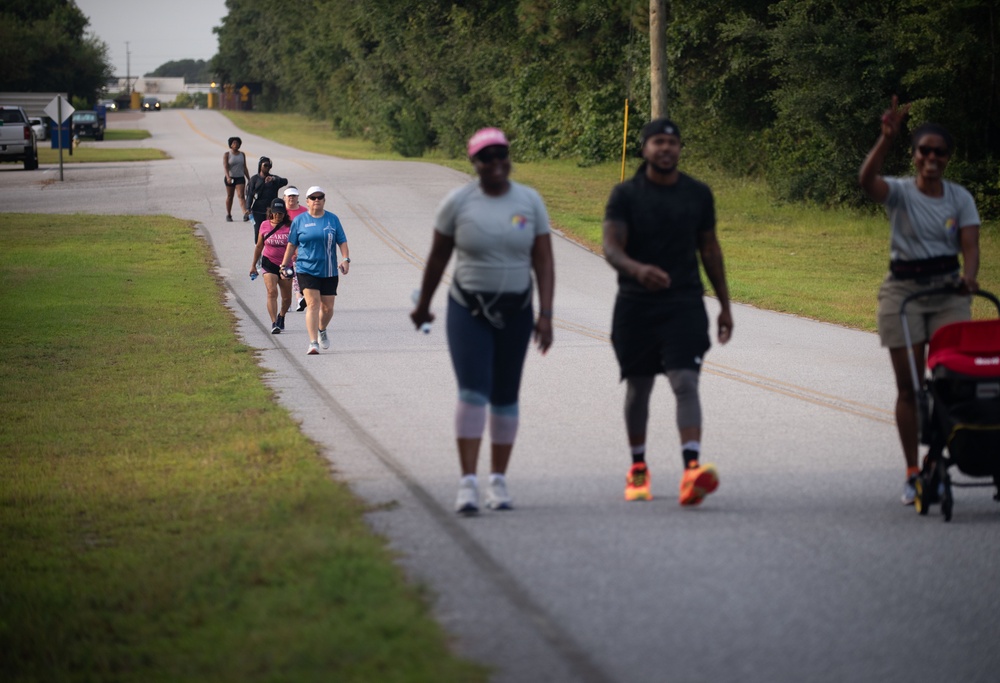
x=658 y=58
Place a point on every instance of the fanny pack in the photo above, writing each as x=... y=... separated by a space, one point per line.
x=494 y=307
x=923 y=268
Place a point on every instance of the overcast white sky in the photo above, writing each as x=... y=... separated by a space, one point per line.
x=157 y=31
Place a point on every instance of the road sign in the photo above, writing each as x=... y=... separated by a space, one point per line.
x=55 y=111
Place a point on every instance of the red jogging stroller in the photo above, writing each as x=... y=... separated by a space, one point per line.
x=958 y=405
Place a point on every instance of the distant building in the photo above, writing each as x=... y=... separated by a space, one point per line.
x=165 y=89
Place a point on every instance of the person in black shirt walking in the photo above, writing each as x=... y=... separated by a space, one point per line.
x=261 y=191
x=656 y=226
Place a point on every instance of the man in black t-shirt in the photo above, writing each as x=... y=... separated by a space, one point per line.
x=656 y=225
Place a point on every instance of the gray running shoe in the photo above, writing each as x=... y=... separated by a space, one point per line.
x=496 y=494
x=313 y=349
x=467 y=502
x=324 y=340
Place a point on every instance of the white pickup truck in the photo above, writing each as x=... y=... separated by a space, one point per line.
x=17 y=139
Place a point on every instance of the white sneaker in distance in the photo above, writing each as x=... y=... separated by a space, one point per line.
x=324 y=340
x=496 y=494
x=467 y=502
x=313 y=349
x=909 y=490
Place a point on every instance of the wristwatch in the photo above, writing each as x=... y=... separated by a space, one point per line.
x=347 y=260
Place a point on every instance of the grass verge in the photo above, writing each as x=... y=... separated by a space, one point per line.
x=80 y=155
x=807 y=260
x=115 y=134
x=162 y=518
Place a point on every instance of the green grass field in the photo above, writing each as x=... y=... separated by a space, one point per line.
x=163 y=519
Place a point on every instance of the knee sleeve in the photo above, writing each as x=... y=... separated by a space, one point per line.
x=685 y=386
x=470 y=416
x=637 y=396
x=503 y=424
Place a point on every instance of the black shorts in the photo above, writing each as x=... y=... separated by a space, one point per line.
x=233 y=182
x=652 y=337
x=270 y=266
x=327 y=286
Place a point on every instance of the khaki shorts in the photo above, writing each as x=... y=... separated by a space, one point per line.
x=924 y=315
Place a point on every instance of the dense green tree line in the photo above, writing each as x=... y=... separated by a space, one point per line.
x=191 y=70
x=44 y=47
x=791 y=89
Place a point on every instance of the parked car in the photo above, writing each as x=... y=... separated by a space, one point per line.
x=17 y=139
x=38 y=125
x=87 y=124
x=110 y=105
x=150 y=104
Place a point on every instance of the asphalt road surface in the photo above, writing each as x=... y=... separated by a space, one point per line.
x=804 y=566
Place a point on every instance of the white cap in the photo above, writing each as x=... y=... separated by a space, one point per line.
x=291 y=190
x=314 y=189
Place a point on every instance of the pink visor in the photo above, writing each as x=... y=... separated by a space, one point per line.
x=487 y=137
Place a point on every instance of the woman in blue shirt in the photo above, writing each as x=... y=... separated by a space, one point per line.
x=312 y=244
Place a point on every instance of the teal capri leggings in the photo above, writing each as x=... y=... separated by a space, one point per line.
x=487 y=360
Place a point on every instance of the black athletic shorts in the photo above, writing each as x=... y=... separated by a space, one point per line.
x=234 y=181
x=270 y=266
x=327 y=286
x=652 y=337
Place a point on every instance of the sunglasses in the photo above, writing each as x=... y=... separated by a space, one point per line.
x=500 y=153
x=926 y=150
x=316 y=197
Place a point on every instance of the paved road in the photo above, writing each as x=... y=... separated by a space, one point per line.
x=803 y=567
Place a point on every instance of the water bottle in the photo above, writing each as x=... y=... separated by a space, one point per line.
x=426 y=327
x=253 y=276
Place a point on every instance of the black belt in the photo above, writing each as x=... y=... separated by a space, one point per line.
x=923 y=269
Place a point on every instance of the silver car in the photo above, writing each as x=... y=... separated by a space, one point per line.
x=38 y=125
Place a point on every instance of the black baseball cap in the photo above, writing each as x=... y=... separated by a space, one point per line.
x=278 y=205
x=657 y=127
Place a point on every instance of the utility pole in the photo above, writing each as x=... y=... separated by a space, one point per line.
x=657 y=58
x=128 y=72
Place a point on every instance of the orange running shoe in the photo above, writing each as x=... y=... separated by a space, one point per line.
x=637 y=483
x=698 y=481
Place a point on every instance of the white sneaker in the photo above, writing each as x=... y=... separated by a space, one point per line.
x=468 y=498
x=909 y=490
x=324 y=340
x=496 y=494
x=313 y=349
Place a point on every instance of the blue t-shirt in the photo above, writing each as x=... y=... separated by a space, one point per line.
x=317 y=240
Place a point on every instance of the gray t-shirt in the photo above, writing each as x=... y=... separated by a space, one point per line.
x=237 y=160
x=493 y=236
x=925 y=227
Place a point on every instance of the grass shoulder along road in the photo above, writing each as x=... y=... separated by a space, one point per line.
x=163 y=518
x=812 y=261
x=94 y=151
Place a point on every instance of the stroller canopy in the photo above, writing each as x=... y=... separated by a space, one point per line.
x=970 y=348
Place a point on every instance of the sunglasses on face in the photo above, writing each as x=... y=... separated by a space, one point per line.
x=317 y=197
x=927 y=150
x=487 y=157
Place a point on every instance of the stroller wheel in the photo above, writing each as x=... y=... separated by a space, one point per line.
x=920 y=502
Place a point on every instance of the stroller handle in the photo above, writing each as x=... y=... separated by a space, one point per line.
x=906 y=328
